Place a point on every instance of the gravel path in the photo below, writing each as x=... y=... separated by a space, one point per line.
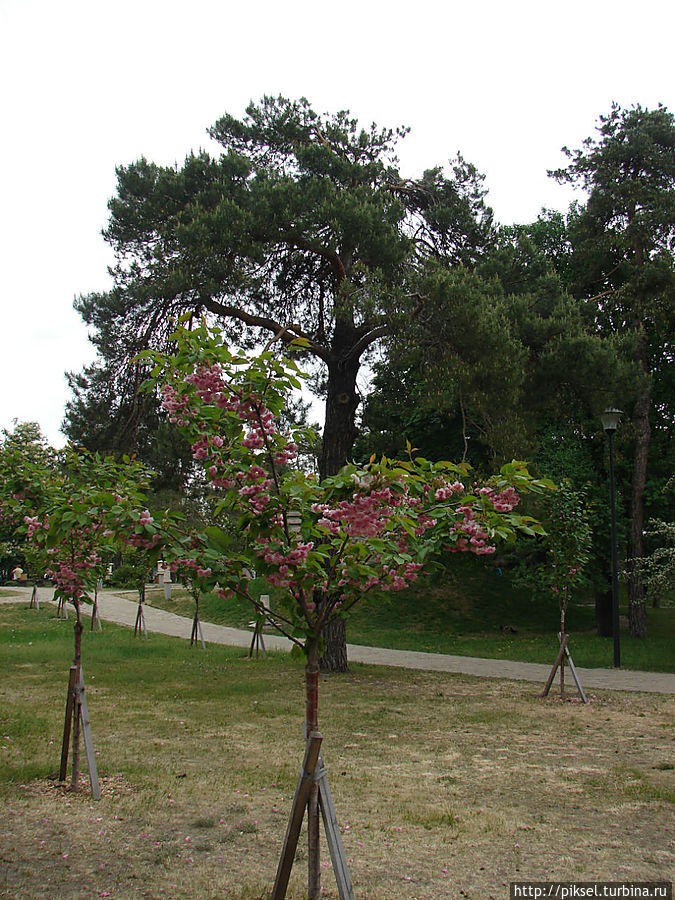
x=122 y=611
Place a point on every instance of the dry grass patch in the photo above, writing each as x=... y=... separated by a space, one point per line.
x=446 y=787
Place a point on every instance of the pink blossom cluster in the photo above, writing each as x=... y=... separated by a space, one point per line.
x=502 y=501
x=385 y=577
x=257 y=422
x=69 y=577
x=143 y=542
x=175 y=405
x=400 y=578
x=288 y=563
x=365 y=515
x=447 y=491
x=252 y=484
x=34 y=524
x=189 y=563
x=210 y=385
x=473 y=537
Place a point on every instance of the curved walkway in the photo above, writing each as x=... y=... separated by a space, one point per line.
x=122 y=611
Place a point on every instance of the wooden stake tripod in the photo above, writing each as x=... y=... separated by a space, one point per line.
x=197 y=631
x=34 y=599
x=313 y=773
x=77 y=715
x=257 y=639
x=95 y=614
x=560 y=664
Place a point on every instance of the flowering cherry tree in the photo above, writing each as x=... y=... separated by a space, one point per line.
x=326 y=543
x=86 y=504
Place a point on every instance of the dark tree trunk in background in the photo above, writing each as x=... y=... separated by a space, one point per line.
x=339 y=430
x=603 y=611
x=339 y=433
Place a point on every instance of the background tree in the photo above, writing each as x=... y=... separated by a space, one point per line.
x=109 y=415
x=302 y=229
x=27 y=464
x=497 y=354
x=659 y=567
x=623 y=269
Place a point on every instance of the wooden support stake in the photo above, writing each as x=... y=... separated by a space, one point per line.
x=297 y=814
x=76 y=704
x=88 y=742
x=558 y=662
x=574 y=672
x=140 y=621
x=70 y=701
x=197 y=633
x=34 y=600
x=257 y=640
x=333 y=837
x=96 y=616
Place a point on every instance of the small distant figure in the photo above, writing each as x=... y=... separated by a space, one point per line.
x=18 y=574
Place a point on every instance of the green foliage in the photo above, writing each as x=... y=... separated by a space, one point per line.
x=27 y=465
x=624 y=271
x=327 y=542
x=494 y=352
x=659 y=566
x=567 y=547
x=302 y=229
x=110 y=416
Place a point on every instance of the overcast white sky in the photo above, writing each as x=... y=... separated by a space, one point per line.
x=89 y=84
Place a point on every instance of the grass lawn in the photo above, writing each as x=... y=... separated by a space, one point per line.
x=471 y=611
x=446 y=787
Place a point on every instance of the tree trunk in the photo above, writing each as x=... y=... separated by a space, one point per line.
x=334 y=657
x=77 y=662
x=637 y=613
x=563 y=609
x=339 y=433
x=603 y=612
x=311 y=724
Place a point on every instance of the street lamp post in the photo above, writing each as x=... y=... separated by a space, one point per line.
x=610 y=421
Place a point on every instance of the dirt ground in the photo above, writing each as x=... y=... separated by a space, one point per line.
x=445 y=787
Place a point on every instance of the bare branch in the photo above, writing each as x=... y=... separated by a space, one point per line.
x=285 y=333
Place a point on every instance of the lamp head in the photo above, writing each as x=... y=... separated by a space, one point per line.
x=610 y=419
